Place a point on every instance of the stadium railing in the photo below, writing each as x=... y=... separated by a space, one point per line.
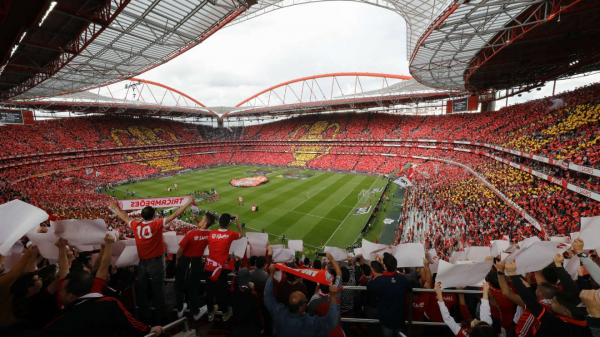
x=409 y=322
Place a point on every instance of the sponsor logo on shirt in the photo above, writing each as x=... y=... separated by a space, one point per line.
x=198 y=238
x=220 y=236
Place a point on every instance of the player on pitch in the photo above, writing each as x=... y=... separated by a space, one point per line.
x=240 y=201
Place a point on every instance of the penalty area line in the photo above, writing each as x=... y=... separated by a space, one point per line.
x=346 y=218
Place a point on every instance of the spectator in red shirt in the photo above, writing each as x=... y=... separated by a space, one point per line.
x=148 y=236
x=189 y=257
x=219 y=242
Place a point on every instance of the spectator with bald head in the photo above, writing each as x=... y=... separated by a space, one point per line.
x=294 y=321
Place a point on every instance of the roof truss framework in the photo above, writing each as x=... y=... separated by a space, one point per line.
x=468 y=33
x=128 y=38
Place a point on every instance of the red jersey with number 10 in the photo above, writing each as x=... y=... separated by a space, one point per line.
x=148 y=238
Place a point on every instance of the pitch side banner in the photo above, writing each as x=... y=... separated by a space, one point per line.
x=135 y=204
x=319 y=276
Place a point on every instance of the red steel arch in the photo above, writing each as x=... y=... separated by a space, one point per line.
x=400 y=77
x=168 y=88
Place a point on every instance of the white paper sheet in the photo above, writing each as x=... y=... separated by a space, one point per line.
x=295 y=245
x=129 y=257
x=431 y=256
x=283 y=255
x=572 y=266
x=458 y=256
x=278 y=247
x=370 y=250
x=16 y=219
x=409 y=254
x=258 y=243
x=528 y=242
x=238 y=247
x=574 y=235
x=357 y=251
x=462 y=275
x=537 y=256
x=477 y=253
x=338 y=254
x=171 y=244
x=80 y=233
x=590 y=232
x=45 y=243
x=563 y=239
x=499 y=246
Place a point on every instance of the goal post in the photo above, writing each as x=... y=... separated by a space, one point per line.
x=363 y=196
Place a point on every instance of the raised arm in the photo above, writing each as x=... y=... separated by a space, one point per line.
x=526 y=295
x=63 y=259
x=102 y=272
x=485 y=312
x=269 y=296
x=114 y=205
x=455 y=327
x=17 y=270
x=506 y=291
x=564 y=277
x=239 y=227
x=428 y=277
x=338 y=271
x=592 y=268
x=179 y=211
x=330 y=321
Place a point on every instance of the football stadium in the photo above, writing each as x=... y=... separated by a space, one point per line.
x=300 y=168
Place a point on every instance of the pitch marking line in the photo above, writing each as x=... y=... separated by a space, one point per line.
x=349 y=213
x=316 y=216
x=316 y=189
x=312 y=196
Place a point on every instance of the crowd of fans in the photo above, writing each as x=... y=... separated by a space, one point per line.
x=448 y=209
x=252 y=296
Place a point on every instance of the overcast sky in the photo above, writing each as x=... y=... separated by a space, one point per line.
x=241 y=60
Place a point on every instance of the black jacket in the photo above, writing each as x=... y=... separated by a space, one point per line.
x=95 y=316
x=548 y=324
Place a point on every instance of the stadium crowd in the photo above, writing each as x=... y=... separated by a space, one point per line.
x=255 y=296
x=448 y=210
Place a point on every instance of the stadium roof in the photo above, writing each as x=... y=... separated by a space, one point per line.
x=85 y=44
x=478 y=45
x=64 y=46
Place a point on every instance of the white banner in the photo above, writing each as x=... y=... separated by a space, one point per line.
x=16 y=219
x=370 y=250
x=409 y=254
x=590 y=232
x=129 y=257
x=295 y=245
x=499 y=246
x=283 y=255
x=537 y=256
x=46 y=244
x=462 y=275
x=80 y=233
x=477 y=254
x=135 y=204
x=338 y=254
x=238 y=247
x=258 y=243
x=172 y=241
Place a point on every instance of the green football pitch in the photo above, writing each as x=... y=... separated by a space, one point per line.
x=318 y=210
